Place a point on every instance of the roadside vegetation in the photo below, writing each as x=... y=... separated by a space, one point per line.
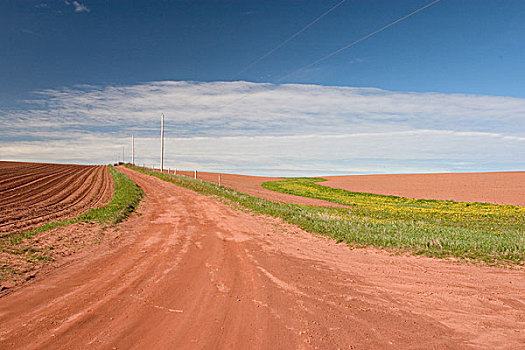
x=487 y=232
x=126 y=197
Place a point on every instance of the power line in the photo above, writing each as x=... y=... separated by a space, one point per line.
x=275 y=49
x=243 y=96
x=358 y=40
x=289 y=39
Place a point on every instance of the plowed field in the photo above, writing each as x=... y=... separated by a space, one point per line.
x=34 y=193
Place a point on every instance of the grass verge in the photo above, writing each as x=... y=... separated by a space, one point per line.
x=126 y=197
x=487 y=232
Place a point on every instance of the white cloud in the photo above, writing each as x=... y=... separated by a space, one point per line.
x=79 y=7
x=267 y=128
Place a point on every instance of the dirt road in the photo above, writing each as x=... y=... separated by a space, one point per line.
x=191 y=273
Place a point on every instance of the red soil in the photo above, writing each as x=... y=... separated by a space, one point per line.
x=497 y=187
x=34 y=193
x=252 y=185
x=192 y=273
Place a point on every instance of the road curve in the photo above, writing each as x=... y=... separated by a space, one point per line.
x=192 y=273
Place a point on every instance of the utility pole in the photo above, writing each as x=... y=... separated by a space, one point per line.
x=162 y=143
x=132 y=150
x=122 y=154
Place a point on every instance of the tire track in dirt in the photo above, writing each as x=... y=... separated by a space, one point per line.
x=193 y=273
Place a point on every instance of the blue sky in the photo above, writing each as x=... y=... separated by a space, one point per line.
x=74 y=75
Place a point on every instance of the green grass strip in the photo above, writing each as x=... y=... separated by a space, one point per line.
x=487 y=232
x=126 y=196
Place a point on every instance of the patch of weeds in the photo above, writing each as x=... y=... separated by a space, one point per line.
x=7 y=272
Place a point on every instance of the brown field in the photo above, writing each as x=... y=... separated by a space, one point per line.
x=35 y=193
x=496 y=187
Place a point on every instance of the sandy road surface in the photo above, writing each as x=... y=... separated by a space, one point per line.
x=191 y=273
x=497 y=187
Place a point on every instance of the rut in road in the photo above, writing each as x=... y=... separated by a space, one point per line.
x=190 y=272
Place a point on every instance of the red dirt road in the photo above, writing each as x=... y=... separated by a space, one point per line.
x=192 y=273
x=34 y=193
x=497 y=187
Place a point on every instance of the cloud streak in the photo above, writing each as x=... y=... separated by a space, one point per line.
x=268 y=128
x=78 y=7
